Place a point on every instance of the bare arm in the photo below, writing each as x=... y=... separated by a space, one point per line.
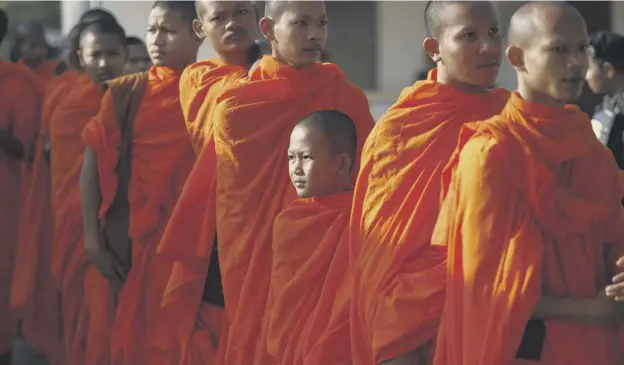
x=90 y=197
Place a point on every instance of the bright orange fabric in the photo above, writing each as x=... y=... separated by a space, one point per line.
x=399 y=278
x=45 y=72
x=20 y=102
x=203 y=343
x=70 y=265
x=186 y=234
x=533 y=207
x=253 y=122
x=310 y=284
x=34 y=296
x=162 y=158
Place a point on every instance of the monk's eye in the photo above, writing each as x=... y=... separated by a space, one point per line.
x=470 y=35
x=307 y=157
x=301 y=23
x=583 y=48
x=323 y=23
x=243 y=11
x=291 y=157
x=215 y=18
x=494 y=31
x=558 y=49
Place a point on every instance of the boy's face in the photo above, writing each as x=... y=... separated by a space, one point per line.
x=597 y=77
x=33 y=50
x=170 y=40
x=102 y=55
x=556 y=59
x=299 y=35
x=470 y=44
x=313 y=170
x=138 y=59
x=228 y=25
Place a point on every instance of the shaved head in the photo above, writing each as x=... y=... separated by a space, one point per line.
x=436 y=12
x=275 y=8
x=537 y=17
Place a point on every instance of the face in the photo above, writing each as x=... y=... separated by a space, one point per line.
x=102 y=55
x=556 y=59
x=33 y=50
x=170 y=40
x=299 y=35
x=230 y=26
x=597 y=77
x=313 y=170
x=138 y=59
x=469 y=47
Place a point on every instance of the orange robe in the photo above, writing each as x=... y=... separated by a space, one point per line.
x=162 y=157
x=20 y=102
x=533 y=207
x=34 y=296
x=71 y=269
x=399 y=278
x=197 y=324
x=253 y=123
x=45 y=72
x=310 y=284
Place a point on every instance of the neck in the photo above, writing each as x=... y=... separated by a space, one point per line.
x=533 y=96
x=235 y=58
x=444 y=78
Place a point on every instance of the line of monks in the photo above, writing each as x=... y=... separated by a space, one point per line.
x=248 y=210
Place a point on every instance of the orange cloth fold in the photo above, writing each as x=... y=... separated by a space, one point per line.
x=75 y=277
x=189 y=235
x=399 y=278
x=45 y=72
x=20 y=103
x=34 y=295
x=533 y=207
x=253 y=121
x=162 y=157
x=310 y=284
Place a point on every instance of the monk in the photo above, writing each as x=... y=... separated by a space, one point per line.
x=86 y=314
x=19 y=118
x=253 y=121
x=138 y=58
x=308 y=319
x=160 y=160
x=398 y=278
x=533 y=212
x=31 y=49
x=193 y=300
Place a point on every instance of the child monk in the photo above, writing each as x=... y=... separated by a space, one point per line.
x=20 y=100
x=138 y=58
x=253 y=121
x=308 y=314
x=194 y=300
x=157 y=155
x=102 y=56
x=533 y=215
x=399 y=279
x=31 y=49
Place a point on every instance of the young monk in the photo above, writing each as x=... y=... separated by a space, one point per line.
x=31 y=49
x=138 y=58
x=194 y=299
x=102 y=56
x=399 y=278
x=253 y=120
x=20 y=100
x=533 y=215
x=161 y=157
x=308 y=318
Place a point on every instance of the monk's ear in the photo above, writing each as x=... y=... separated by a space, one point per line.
x=432 y=47
x=267 y=27
x=198 y=29
x=609 y=70
x=515 y=55
x=345 y=164
x=79 y=53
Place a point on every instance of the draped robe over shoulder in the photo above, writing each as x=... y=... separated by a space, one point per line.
x=533 y=207
x=253 y=122
x=399 y=278
x=162 y=156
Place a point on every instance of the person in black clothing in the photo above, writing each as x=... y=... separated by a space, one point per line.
x=606 y=77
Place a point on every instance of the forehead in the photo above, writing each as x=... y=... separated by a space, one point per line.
x=559 y=26
x=160 y=15
x=223 y=6
x=469 y=15
x=92 y=39
x=304 y=9
x=307 y=136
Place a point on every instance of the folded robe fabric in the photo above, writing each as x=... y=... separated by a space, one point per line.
x=253 y=121
x=34 y=295
x=192 y=224
x=533 y=207
x=308 y=320
x=398 y=278
x=45 y=72
x=86 y=312
x=162 y=157
x=20 y=102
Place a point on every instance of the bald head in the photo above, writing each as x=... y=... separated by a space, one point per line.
x=437 y=13
x=275 y=8
x=540 y=17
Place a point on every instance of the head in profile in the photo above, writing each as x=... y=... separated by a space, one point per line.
x=606 y=63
